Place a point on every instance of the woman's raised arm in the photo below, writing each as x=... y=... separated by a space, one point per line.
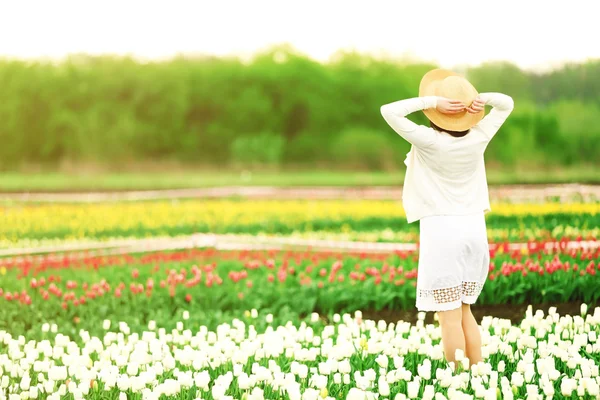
x=418 y=135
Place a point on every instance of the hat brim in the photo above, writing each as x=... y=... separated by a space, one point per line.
x=451 y=122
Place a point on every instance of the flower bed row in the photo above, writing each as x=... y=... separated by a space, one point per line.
x=546 y=356
x=383 y=219
x=296 y=283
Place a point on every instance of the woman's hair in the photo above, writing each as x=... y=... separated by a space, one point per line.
x=451 y=133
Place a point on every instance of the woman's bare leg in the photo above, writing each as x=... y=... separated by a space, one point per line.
x=472 y=335
x=453 y=337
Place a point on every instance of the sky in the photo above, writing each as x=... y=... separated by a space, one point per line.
x=533 y=34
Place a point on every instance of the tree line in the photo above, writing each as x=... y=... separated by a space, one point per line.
x=279 y=109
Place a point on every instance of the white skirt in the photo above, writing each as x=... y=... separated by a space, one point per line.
x=454 y=260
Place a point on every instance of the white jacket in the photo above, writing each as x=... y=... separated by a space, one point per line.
x=445 y=175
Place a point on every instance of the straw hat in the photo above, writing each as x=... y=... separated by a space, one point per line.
x=444 y=83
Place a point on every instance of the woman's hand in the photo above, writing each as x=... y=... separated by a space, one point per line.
x=477 y=106
x=449 y=106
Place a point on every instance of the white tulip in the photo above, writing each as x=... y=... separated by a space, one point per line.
x=33 y=392
x=398 y=362
x=413 y=389
x=25 y=382
x=383 y=386
x=256 y=394
x=567 y=386
x=370 y=374
x=517 y=379
x=428 y=392
x=302 y=371
x=480 y=391
x=48 y=386
x=57 y=373
x=356 y=394
x=501 y=366
x=202 y=380
x=344 y=366
x=424 y=370
x=337 y=378
x=593 y=388
x=548 y=390
x=346 y=379
x=529 y=373
x=459 y=355
x=382 y=361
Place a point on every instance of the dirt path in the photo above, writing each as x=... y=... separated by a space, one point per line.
x=524 y=193
x=229 y=242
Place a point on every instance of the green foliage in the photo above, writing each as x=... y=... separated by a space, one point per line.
x=109 y=111
x=263 y=149
x=363 y=148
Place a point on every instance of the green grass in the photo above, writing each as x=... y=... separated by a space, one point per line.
x=57 y=182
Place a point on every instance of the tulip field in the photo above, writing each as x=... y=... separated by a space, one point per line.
x=205 y=323
x=25 y=224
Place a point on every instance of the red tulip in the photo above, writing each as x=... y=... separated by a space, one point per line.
x=281 y=275
x=336 y=266
x=188 y=298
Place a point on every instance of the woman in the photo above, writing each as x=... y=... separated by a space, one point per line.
x=446 y=190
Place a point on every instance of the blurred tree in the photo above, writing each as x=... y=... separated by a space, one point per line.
x=209 y=110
